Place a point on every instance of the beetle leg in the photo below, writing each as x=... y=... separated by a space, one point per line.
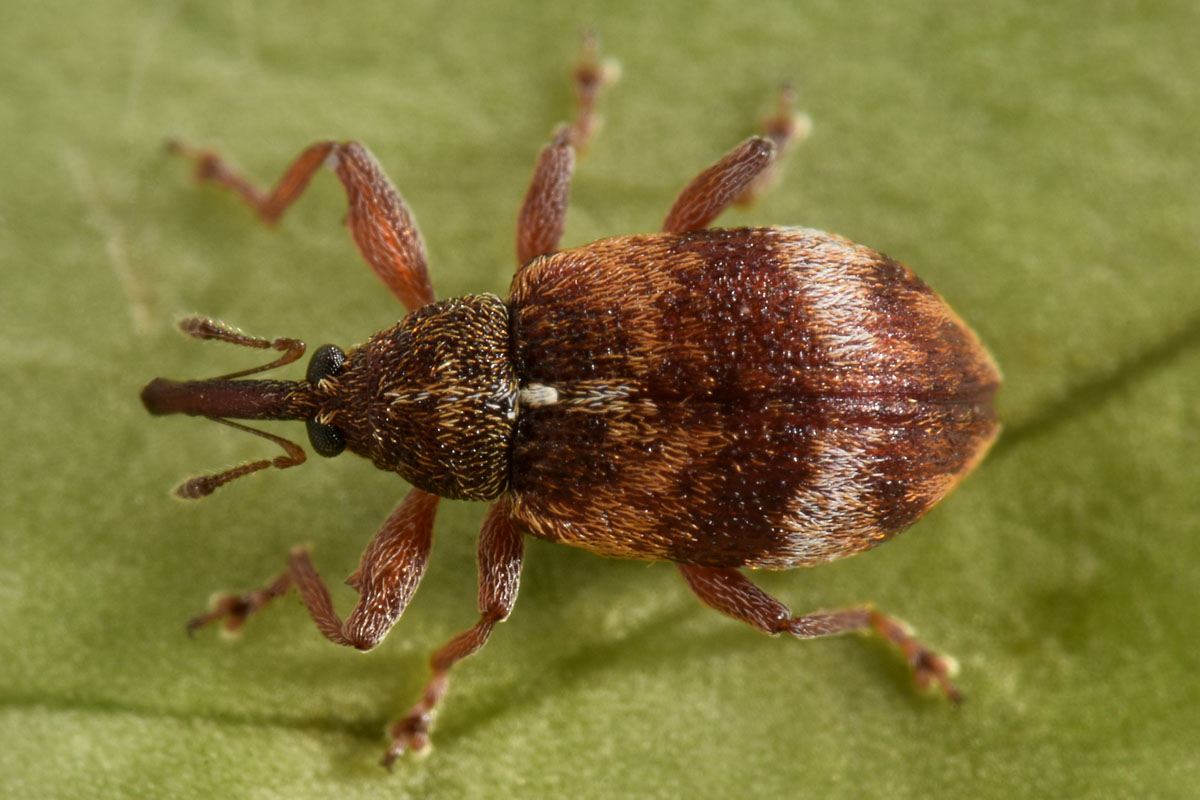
x=382 y=225
x=386 y=579
x=544 y=210
x=270 y=207
x=714 y=189
x=732 y=593
x=501 y=546
x=591 y=77
x=786 y=128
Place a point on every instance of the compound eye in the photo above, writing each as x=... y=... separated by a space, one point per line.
x=326 y=439
x=326 y=362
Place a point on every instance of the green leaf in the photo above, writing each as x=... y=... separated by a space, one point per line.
x=1036 y=163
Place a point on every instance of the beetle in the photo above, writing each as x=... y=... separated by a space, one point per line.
x=722 y=399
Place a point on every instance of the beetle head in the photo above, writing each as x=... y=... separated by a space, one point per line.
x=230 y=397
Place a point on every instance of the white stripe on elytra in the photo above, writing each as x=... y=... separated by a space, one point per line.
x=832 y=509
x=839 y=302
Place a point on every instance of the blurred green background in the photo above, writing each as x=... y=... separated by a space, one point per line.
x=1036 y=163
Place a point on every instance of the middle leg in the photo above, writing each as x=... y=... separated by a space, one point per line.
x=544 y=211
x=501 y=548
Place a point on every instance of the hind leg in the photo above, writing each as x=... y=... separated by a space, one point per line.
x=742 y=174
x=733 y=594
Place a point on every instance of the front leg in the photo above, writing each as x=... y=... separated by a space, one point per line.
x=732 y=593
x=386 y=579
x=501 y=547
x=380 y=221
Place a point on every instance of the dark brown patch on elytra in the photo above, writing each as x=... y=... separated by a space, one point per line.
x=761 y=397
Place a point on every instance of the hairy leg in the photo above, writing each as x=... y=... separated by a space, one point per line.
x=501 y=548
x=732 y=593
x=380 y=221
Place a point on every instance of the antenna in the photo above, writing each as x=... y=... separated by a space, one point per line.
x=223 y=397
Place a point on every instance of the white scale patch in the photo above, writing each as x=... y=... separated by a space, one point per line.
x=830 y=512
x=839 y=305
x=537 y=394
x=595 y=394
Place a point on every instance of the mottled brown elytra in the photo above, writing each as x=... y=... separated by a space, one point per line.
x=760 y=398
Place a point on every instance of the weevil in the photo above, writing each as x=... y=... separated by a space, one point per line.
x=722 y=399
